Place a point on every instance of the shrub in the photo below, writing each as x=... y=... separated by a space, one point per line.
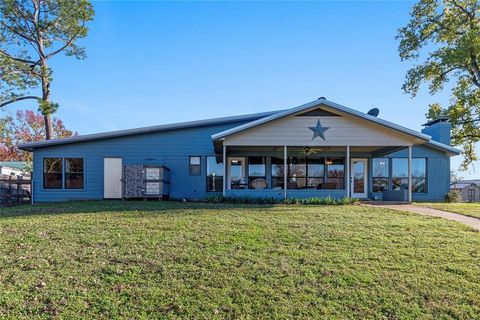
x=453 y=196
x=290 y=201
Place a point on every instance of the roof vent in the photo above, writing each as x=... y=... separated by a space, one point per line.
x=374 y=112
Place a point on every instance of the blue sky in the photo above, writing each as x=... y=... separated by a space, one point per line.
x=159 y=62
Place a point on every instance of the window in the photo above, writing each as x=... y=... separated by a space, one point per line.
x=73 y=173
x=256 y=168
x=214 y=174
x=380 y=174
x=297 y=173
x=419 y=175
x=277 y=173
x=400 y=174
x=335 y=173
x=52 y=173
x=195 y=166
x=315 y=172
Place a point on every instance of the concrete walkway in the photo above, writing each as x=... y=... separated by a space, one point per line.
x=469 y=221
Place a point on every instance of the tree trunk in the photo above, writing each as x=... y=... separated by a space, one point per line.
x=45 y=106
x=48 y=126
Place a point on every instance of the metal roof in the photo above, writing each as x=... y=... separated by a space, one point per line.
x=257 y=119
x=15 y=164
x=322 y=101
x=444 y=147
x=165 y=127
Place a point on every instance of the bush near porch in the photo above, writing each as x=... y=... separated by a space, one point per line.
x=189 y=260
x=292 y=201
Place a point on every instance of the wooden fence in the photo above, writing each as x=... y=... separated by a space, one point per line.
x=15 y=191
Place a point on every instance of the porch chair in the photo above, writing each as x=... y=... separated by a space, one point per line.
x=259 y=184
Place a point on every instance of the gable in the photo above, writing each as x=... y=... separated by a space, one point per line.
x=319 y=127
x=318 y=112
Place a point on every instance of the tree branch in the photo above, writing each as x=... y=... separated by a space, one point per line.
x=18 y=33
x=464 y=136
x=18 y=59
x=3 y=104
x=68 y=44
x=464 y=10
x=476 y=70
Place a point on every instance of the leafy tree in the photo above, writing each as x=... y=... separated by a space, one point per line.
x=26 y=126
x=31 y=33
x=443 y=37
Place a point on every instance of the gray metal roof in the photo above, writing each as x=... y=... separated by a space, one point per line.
x=444 y=147
x=322 y=101
x=256 y=119
x=165 y=127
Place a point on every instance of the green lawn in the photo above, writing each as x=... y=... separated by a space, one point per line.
x=466 y=208
x=174 y=260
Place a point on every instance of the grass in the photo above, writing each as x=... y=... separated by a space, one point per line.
x=204 y=261
x=465 y=208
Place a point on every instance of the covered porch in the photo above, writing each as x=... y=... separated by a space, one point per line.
x=299 y=171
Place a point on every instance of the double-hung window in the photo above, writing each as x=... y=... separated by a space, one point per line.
x=52 y=173
x=195 y=167
x=67 y=173
x=74 y=173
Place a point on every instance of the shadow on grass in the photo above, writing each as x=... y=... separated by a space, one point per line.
x=114 y=206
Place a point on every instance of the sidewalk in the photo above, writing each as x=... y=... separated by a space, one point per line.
x=469 y=221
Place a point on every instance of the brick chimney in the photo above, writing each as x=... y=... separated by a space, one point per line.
x=439 y=130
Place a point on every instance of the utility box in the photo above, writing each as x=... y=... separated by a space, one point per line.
x=146 y=181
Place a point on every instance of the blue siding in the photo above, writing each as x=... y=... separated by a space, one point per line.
x=438 y=172
x=171 y=148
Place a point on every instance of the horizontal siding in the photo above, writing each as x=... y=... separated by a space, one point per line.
x=295 y=131
x=438 y=172
x=171 y=148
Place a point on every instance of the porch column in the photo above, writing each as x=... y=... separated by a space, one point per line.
x=410 y=173
x=348 y=184
x=285 y=171
x=224 y=169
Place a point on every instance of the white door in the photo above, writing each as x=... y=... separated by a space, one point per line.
x=112 y=178
x=359 y=178
x=236 y=173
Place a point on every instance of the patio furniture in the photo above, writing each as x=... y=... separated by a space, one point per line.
x=259 y=184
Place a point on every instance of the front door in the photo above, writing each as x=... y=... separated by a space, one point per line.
x=236 y=173
x=112 y=178
x=359 y=178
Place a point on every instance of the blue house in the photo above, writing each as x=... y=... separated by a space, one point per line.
x=318 y=149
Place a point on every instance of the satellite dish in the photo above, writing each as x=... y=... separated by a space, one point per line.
x=374 y=112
